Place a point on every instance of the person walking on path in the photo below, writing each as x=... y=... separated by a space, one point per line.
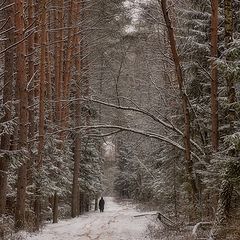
x=101 y=204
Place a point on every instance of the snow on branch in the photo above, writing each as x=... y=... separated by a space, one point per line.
x=137 y=131
x=152 y=116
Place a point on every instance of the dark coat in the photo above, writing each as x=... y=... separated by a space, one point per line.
x=101 y=203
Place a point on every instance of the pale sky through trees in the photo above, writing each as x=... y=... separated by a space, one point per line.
x=135 y=10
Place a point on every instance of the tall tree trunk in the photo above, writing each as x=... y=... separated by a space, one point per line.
x=30 y=51
x=7 y=98
x=41 y=124
x=184 y=98
x=58 y=60
x=214 y=78
x=49 y=91
x=85 y=87
x=68 y=64
x=84 y=65
x=59 y=52
x=31 y=77
x=23 y=114
x=233 y=169
x=77 y=120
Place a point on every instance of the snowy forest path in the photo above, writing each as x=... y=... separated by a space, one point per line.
x=117 y=222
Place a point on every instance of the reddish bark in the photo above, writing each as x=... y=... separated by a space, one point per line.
x=184 y=98
x=21 y=84
x=7 y=98
x=214 y=77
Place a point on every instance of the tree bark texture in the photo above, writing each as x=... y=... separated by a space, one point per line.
x=31 y=70
x=84 y=51
x=21 y=84
x=31 y=76
x=49 y=90
x=41 y=117
x=59 y=38
x=55 y=208
x=184 y=98
x=214 y=77
x=7 y=98
x=77 y=140
x=68 y=63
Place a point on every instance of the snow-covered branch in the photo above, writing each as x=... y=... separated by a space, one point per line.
x=152 y=116
x=137 y=131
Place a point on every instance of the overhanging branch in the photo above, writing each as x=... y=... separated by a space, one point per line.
x=136 y=131
x=152 y=116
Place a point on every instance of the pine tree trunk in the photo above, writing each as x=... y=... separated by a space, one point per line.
x=96 y=203
x=23 y=114
x=55 y=208
x=49 y=91
x=214 y=78
x=77 y=150
x=58 y=76
x=58 y=61
x=30 y=50
x=7 y=98
x=30 y=77
x=77 y=120
x=41 y=124
x=67 y=76
x=185 y=106
x=219 y=230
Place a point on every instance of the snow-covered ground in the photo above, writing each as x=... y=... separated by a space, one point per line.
x=117 y=222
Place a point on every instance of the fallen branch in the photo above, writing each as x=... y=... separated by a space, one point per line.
x=197 y=226
x=162 y=218
x=146 y=214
